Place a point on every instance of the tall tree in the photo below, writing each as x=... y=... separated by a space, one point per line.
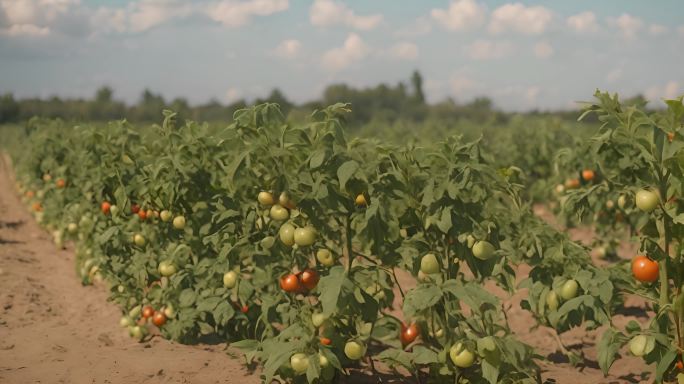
x=417 y=83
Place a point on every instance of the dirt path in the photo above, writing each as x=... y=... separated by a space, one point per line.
x=54 y=330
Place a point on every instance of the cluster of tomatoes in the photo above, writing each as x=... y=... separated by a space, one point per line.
x=147 y=315
x=585 y=177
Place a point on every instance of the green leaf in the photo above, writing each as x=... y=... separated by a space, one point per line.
x=346 y=171
x=187 y=298
x=330 y=287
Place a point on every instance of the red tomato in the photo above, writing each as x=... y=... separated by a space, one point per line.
x=158 y=319
x=409 y=334
x=588 y=175
x=325 y=341
x=135 y=208
x=680 y=365
x=37 y=207
x=105 y=207
x=142 y=215
x=60 y=183
x=30 y=194
x=244 y=309
x=310 y=278
x=147 y=311
x=645 y=269
x=290 y=283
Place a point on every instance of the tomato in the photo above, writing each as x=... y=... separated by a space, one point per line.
x=30 y=194
x=622 y=201
x=325 y=257
x=142 y=214
x=409 y=334
x=286 y=233
x=354 y=350
x=483 y=250
x=429 y=264
x=560 y=188
x=572 y=183
x=299 y=363
x=230 y=279
x=106 y=207
x=641 y=345
x=126 y=322
x=167 y=268
x=644 y=269
x=136 y=332
x=470 y=241
x=285 y=200
x=47 y=177
x=179 y=222
x=680 y=365
x=278 y=213
x=318 y=319
x=461 y=356
x=647 y=200
x=37 y=207
x=265 y=198
x=309 y=279
x=588 y=175
x=169 y=312
x=139 y=240
x=72 y=228
x=610 y=204
x=159 y=319
x=60 y=183
x=304 y=237
x=290 y=283
x=325 y=341
x=670 y=138
x=244 y=309
x=135 y=208
x=322 y=360
x=114 y=210
x=569 y=289
x=165 y=215
x=147 y=311
x=360 y=200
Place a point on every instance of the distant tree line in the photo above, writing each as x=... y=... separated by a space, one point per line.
x=382 y=104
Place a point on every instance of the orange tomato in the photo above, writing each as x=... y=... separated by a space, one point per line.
x=60 y=183
x=142 y=214
x=290 y=283
x=158 y=319
x=325 y=341
x=670 y=138
x=105 y=207
x=644 y=269
x=572 y=183
x=147 y=311
x=588 y=175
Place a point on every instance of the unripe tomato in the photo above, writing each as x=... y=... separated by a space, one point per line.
x=569 y=289
x=325 y=257
x=106 y=207
x=265 y=198
x=588 y=175
x=267 y=242
x=322 y=360
x=167 y=268
x=641 y=345
x=646 y=200
x=470 y=241
x=409 y=334
x=560 y=188
x=165 y=215
x=136 y=332
x=126 y=322
x=429 y=264
x=552 y=300
x=72 y=228
x=114 y=210
x=304 y=237
x=230 y=279
x=290 y=283
x=644 y=269
x=309 y=279
x=179 y=222
x=318 y=319
x=461 y=356
x=299 y=363
x=139 y=240
x=159 y=319
x=285 y=200
x=354 y=350
x=360 y=200
x=169 y=312
x=147 y=311
x=622 y=201
x=278 y=213
x=47 y=177
x=483 y=250
x=287 y=234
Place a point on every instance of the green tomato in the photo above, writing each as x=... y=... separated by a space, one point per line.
x=646 y=200
x=169 y=311
x=461 y=356
x=267 y=242
x=279 y=213
x=552 y=300
x=114 y=210
x=470 y=241
x=265 y=198
x=299 y=363
x=72 y=228
x=179 y=222
x=287 y=234
x=354 y=350
x=483 y=250
x=429 y=264
x=136 y=332
x=641 y=345
x=230 y=279
x=318 y=319
x=325 y=257
x=622 y=201
x=569 y=289
x=304 y=237
x=126 y=322
x=139 y=240
x=167 y=268
x=165 y=215
x=323 y=361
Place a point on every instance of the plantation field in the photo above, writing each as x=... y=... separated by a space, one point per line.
x=537 y=251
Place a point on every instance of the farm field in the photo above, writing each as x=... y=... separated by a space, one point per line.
x=323 y=257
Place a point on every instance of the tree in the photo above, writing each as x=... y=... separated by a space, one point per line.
x=417 y=83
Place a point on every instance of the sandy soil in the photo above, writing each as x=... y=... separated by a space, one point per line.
x=54 y=330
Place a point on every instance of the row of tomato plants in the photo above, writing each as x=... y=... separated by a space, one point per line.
x=291 y=243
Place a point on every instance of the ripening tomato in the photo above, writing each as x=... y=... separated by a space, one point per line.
x=159 y=319
x=265 y=198
x=409 y=334
x=147 y=311
x=588 y=175
x=290 y=283
x=179 y=222
x=644 y=269
x=285 y=200
x=37 y=207
x=135 y=208
x=325 y=341
x=165 y=215
x=279 y=213
x=572 y=183
x=60 y=183
x=360 y=200
x=30 y=194
x=680 y=365
x=106 y=207
x=670 y=138
x=244 y=309
x=310 y=278
x=142 y=214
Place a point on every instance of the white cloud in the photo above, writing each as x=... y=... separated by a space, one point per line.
x=232 y=13
x=288 y=49
x=543 y=50
x=421 y=26
x=488 y=50
x=614 y=75
x=583 y=22
x=139 y=16
x=670 y=90
x=25 y=30
x=353 y=50
x=32 y=17
x=628 y=25
x=232 y=95
x=325 y=13
x=461 y=15
x=404 y=51
x=517 y=17
x=657 y=30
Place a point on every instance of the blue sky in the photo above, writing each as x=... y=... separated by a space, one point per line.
x=521 y=54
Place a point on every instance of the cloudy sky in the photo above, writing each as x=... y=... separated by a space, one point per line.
x=521 y=54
